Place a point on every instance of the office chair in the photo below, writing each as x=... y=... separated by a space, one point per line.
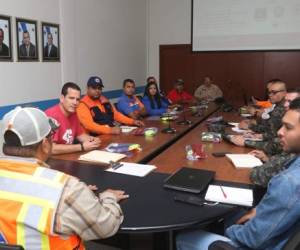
x=10 y=247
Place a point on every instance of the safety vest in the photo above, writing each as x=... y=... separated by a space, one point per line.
x=101 y=110
x=29 y=196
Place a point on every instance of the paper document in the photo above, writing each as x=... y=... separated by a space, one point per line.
x=239 y=130
x=133 y=169
x=127 y=129
x=101 y=156
x=230 y=195
x=235 y=124
x=244 y=160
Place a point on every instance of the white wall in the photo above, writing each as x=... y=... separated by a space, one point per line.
x=169 y=22
x=27 y=81
x=105 y=38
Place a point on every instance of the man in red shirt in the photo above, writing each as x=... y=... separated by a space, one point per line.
x=70 y=129
x=178 y=95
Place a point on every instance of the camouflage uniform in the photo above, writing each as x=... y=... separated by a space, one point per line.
x=270 y=147
x=261 y=175
x=268 y=128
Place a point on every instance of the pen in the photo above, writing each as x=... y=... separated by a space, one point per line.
x=224 y=194
x=117 y=166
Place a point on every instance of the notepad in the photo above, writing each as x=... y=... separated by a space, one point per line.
x=127 y=129
x=244 y=160
x=236 y=196
x=101 y=156
x=133 y=169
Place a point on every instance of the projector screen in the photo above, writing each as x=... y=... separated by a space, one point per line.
x=221 y=25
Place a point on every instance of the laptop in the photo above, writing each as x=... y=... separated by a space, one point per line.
x=190 y=180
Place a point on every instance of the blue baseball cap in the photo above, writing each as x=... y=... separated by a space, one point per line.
x=95 y=81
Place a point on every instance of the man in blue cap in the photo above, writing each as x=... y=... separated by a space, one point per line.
x=97 y=115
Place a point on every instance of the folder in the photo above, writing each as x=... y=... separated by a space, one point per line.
x=132 y=169
x=101 y=156
x=244 y=160
x=230 y=195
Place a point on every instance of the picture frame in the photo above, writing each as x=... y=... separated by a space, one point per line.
x=27 y=40
x=50 y=42
x=5 y=38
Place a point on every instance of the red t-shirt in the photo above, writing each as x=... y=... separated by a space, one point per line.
x=175 y=96
x=69 y=128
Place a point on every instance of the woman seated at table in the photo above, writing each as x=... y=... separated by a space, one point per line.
x=153 y=101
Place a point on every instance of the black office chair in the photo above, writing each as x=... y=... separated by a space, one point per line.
x=10 y=247
x=293 y=242
x=221 y=245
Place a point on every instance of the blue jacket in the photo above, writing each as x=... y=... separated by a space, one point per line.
x=155 y=111
x=128 y=105
x=277 y=214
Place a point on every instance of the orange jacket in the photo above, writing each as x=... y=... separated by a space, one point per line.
x=264 y=104
x=86 y=118
x=26 y=216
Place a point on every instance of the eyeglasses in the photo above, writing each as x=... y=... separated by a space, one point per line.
x=274 y=92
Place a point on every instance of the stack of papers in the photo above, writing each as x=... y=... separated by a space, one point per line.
x=101 y=156
x=230 y=195
x=133 y=169
x=244 y=160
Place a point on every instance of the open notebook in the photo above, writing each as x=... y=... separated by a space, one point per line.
x=133 y=169
x=101 y=156
x=244 y=160
x=230 y=195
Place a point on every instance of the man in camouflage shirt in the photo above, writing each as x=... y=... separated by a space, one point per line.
x=270 y=144
x=261 y=175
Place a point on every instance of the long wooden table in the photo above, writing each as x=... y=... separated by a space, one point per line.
x=151 y=146
x=174 y=157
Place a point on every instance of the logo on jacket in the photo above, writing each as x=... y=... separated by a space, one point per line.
x=2 y=238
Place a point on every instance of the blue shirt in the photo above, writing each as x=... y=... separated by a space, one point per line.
x=127 y=105
x=277 y=214
x=155 y=111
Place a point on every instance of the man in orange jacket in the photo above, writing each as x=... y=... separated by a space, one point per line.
x=97 y=115
x=42 y=208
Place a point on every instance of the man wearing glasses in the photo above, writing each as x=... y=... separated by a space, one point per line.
x=267 y=125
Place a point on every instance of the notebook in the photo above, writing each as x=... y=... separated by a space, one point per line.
x=101 y=156
x=244 y=160
x=133 y=169
x=230 y=195
x=189 y=180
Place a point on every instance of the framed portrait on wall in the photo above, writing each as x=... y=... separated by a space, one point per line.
x=5 y=39
x=51 y=46
x=27 y=42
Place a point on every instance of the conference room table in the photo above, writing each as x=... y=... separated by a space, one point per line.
x=151 y=209
x=151 y=145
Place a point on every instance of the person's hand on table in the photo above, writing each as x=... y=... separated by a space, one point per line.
x=93 y=187
x=115 y=131
x=94 y=139
x=260 y=155
x=139 y=123
x=238 y=140
x=244 y=124
x=90 y=145
x=247 y=216
x=119 y=194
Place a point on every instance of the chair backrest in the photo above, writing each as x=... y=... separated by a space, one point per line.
x=10 y=247
x=221 y=245
x=294 y=241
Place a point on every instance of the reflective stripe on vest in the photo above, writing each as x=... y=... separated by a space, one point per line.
x=38 y=195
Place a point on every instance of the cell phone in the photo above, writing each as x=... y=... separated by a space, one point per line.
x=220 y=154
x=190 y=199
